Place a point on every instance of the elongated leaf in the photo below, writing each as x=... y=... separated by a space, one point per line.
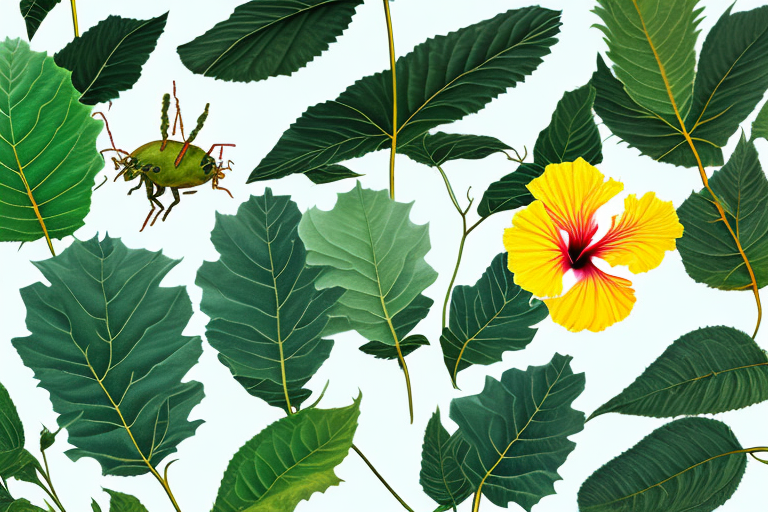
x=709 y=252
x=710 y=370
x=440 y=476
x=732 y=75
x=383 y=351
x=440 y=81
x=518 y=429
x=24 y=468
x=368 y=246
x=11 y=434
x=685 y=465
x=46 y=168
x=106 y=344
x=651 y=44
x=288 y=461
x=108 y=58
x=572 y=133
x=487 y=319
x=34 y=12
x=266 y=316
x=760 y=125
x=120 y=502
x=330 y=173
x=434 y=149
x=264 y=38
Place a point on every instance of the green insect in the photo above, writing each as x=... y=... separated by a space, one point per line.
x=165 y=163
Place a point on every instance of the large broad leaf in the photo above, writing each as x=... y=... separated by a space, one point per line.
x=760 y=125
x=108 y=58
x=120 y=502
x=434 y=149
x=487 y=319
x=572 y=133
x=266 y=316
x=106 y=344
x=34 y=12
x=708 y=249
x=710 y=370
x=440 y=81
x=368 y=246
x=651 y=44
x=688 y=464
x=288 y=461
x=264 y=38
x=440 y=476
x=46 y=167
x=518 y=429
x=11 y=434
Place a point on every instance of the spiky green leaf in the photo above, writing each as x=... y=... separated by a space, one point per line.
x=434 y=149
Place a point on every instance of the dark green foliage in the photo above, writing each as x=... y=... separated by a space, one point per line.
x=441 y=476
x=434 y=149
x=34 y=12
x=384 y=351
x=330 y=173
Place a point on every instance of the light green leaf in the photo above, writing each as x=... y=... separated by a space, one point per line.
x=11 y=434
x=652 y=46
x=434 y=149
x=266 y=316
x=106 y=344
x=46 y=168
x=518 y=429
x=440 y=476
x=572 y=133
x=330 y=173
x=263 y=39
x=487 y=319
x=686 y=465
x=440 y=81
x=34 y=12
x=707 y=371
x=107 y=59
x=368 y=246
x=120 y=502
x=760 y=125
x=708 y=249
x=288 y=461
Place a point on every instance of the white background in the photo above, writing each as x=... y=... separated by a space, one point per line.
x=254 y=115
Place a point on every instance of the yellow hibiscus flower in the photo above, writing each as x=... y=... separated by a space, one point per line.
x=567 y=197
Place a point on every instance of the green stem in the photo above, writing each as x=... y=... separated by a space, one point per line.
x=74 y=18
x=391 y=38
x=381 y=479
x=47 y=477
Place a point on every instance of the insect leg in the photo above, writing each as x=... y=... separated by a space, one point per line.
x=152 y=200
x=160 y=191
x=137 y=187
x=176 y=200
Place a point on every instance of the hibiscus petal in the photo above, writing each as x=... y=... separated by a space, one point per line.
x=646 y=230
x=537 y=252
x=597 y=301
x=572 y=192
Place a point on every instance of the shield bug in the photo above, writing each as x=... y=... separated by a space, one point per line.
x=168 y=163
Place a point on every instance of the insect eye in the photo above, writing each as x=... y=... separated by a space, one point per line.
x=208 y=167
x=155 y=169
x=146 y=168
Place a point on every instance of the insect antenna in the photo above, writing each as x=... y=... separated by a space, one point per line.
x=164 y=121
x=193 y=134
x=112 y=141
x=178 y=114
x=221 y=151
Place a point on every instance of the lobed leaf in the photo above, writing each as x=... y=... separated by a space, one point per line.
x=34 y=12
x=264 y=38
x=106 y=344
x=434 y=149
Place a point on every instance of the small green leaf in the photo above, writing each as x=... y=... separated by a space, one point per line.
x=708 y=250
x=688 y=464
x=434 y=149
x=95 y=506
x=107 y=59
x=266 y=317
x=330 y=173
x=46 y=168
x=384 y=351
x=518 y=431
x=47 y=438
x=120 y=502
x=288 y=461
x=106 y=342
x=707 y=371
x=11 y=434
x=760 y=125
x=34 y=12
x=487 y=319
x=440 y=476
x=263 y=39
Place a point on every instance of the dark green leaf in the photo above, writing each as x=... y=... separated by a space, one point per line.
x=368 y=246
x=266 y=316
x=732 y=75
x=25 y=468
x=120 y=502
x=106 y=344
x=487 y=319
x=440 y=81
x=46 y=168
x=440 y=476
x=108 y=58
x=23 y=505
x=5 y=498
x=518 y=429
x=383 y=351
x=288 y=461
x=572 y=133
x=760 y=125
x=95 y=506
x=11 y=434
x=330 y=173
x=263 y=38
x=709 y=252
x=686 y=465
x=434 y=149
x=710 y=370
x=34 y=12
